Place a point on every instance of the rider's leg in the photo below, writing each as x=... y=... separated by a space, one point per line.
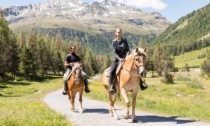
x=87 y=90
x=66 y=77
x=112 y=89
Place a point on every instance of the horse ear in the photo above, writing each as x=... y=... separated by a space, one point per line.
x=145 y=49
x=137 y=50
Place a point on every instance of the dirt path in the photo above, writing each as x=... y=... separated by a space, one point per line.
x=96 y=113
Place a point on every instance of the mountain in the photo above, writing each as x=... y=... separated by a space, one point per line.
x=86 y=20
x=189 y=33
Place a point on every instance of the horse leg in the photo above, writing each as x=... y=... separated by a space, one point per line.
x=125 y=96
x=112 y=101
x=69 y=95
x=72 y=100
x=80 y=100
x=133 y=107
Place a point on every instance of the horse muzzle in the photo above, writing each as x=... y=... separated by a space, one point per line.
x=76 y=80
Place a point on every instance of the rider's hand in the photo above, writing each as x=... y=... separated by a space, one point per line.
x=70 y=64
x=121 y=59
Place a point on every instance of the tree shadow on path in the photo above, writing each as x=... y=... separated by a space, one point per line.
x=100 y=111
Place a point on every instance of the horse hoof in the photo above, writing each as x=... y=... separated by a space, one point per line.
x=135 y=120
x=111 y=114
x=72 y=109
x=81 y=111
x=126 y=116
x=117 y=118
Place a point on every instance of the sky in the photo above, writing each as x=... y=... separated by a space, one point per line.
x=171 y=9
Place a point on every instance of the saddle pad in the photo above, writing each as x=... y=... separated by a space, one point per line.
x=119 y=66
x=108 y=72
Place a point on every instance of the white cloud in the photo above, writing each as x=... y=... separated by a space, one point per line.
x=154 y=4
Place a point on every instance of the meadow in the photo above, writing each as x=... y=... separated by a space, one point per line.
x=21 y=103
x=189 y=96
x=191 y=58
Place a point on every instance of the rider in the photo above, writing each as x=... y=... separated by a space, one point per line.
x=71 y=58
x=121 y=50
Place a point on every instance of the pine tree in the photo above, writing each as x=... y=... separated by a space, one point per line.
x=26 y=65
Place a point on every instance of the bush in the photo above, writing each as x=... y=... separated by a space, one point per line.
x=195 y=84
x=168 y=78
x=206 y=67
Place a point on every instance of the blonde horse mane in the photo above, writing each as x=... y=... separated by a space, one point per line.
x=75 y=66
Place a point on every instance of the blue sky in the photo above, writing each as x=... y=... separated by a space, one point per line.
x=171 y=9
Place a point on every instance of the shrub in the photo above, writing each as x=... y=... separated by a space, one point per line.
x=195 y=84
x=168 y=78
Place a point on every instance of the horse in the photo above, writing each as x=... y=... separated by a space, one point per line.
x=75 y=84
x=127 y=80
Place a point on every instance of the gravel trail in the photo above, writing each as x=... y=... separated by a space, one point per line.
x=96 y=113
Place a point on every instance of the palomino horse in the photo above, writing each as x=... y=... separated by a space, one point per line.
x=127 y=80
x=76 y=84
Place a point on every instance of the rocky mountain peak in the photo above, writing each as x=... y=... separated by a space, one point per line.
x=91 y=17
x=108 y=3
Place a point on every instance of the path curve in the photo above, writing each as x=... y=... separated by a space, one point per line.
x=96 y=113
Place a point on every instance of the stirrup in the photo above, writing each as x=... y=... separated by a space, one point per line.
x=112 y=90
x=64 y=92
x=87 y=90
x=143 y=86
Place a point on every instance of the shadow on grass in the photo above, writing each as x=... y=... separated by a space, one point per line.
x=3 y=84
x=152 y=118
x=47 y=78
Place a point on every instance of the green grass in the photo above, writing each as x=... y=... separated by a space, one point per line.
x=190 y=58
x=183 y=98
x=21 y=104
x=182 y=78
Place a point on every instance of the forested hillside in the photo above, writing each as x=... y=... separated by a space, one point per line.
x=32 y=55
x=98 y=43
x=190 y=32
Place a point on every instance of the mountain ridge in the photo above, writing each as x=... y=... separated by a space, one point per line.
x=110 y=14
x=88 y=21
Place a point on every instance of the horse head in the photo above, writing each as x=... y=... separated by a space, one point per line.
x=140 y=57
x=77 y=72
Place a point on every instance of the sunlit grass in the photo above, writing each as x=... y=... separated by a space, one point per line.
x=191 y=58
x=21 y=104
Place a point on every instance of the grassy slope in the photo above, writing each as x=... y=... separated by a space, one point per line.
x=188 y=97
x=191 y=58
x=21 y=104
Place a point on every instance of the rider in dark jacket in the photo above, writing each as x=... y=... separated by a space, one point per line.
x=121 y=50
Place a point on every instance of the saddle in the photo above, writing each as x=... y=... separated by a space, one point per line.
x=119 y=67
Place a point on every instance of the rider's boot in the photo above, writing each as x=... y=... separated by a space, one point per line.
x=143 y=86
x=65 y=87
x=87 y=90
x=112 y=89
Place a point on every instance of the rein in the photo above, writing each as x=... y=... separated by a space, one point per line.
x=137 y=75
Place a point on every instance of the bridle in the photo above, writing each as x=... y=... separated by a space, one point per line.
x=136 y=66
x=75 y=75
